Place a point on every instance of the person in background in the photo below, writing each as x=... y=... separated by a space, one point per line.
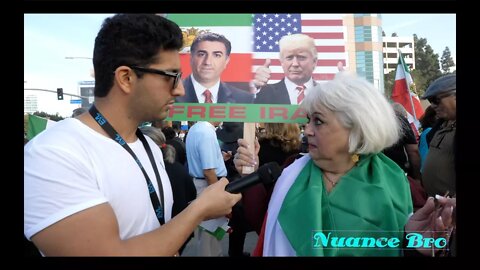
x=280 y=141
x=298 y=56
x=439 y=174
x=210 y=55
x=183 y=189
x=78 y=111
x=428 y=120
x=182 y=184
x=348 y=187
x=206 y=165
x=439 y=169
x=91 y=182
x=177 y=143
x=228 y=134
x=405 y=151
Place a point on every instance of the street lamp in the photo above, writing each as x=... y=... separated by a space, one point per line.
x=78 y=57
x=92 y=73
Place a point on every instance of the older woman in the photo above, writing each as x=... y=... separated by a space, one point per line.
x=345 y=198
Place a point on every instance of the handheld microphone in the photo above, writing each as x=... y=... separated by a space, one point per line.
x=266 y=174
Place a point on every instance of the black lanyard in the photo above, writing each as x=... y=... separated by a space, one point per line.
x=157 y=206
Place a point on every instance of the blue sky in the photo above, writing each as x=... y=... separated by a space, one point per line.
x=49 y=38
x=439 y=29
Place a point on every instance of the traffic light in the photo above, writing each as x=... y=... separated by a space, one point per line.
x=60 y=93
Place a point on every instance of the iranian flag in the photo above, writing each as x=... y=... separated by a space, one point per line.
x=237 y=28
x=37 y=124
x=402 y=93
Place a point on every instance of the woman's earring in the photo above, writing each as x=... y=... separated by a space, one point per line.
x=355 y=158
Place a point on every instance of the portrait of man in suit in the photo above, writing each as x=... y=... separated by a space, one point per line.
x=210 y=55
x=298 y=57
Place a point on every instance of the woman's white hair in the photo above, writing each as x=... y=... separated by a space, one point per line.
x=360 y=108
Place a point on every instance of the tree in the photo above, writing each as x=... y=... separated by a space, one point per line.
x=54 y=117
x=383 y=33
x=394 y=34
x=427 y=66
x=446 y=61
x=389 y=82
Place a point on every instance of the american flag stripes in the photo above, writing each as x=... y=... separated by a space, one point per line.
x=327 y=30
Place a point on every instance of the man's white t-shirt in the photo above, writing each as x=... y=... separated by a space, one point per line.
x=70 y=167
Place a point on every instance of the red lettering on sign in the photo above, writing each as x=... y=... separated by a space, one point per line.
x=196 y=110
x=237 y=112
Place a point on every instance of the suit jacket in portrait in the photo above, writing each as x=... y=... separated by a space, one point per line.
x=226 y=94
x=275 y=93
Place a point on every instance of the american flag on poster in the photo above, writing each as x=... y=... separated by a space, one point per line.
x=327 y=30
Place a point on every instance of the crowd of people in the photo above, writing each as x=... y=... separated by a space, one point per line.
x=122 y=188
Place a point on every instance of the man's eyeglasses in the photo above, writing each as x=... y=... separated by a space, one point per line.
x=176 y=75
x=437 y=99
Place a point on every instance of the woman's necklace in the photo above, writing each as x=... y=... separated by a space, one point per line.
x=333 y=183
x=330 y=181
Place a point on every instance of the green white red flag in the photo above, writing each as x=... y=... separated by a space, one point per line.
x=402 y=93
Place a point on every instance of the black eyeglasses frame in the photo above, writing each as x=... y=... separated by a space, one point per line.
x=176 y=75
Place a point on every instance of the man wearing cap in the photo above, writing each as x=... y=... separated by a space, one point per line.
x=439 y=172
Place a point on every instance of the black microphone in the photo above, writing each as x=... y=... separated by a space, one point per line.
x=266 y=174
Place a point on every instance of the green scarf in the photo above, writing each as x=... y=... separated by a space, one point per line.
x=372 y=200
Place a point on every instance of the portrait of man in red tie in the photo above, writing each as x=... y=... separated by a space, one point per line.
x=209 y=57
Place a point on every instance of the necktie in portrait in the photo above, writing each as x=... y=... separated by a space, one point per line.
x=301 y=93
x=208 y=96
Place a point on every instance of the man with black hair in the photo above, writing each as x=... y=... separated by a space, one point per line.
x=91 y=183
x=177 y=143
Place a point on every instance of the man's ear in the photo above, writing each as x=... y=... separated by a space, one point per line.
x=124 y=78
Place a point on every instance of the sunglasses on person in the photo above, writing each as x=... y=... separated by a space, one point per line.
x=176 y=75
x=437 y=99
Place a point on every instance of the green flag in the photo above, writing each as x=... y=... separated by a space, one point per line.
x=36 y=125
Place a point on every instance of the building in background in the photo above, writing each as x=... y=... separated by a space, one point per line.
x=85 y=89
x=364 y=46
x=391 y=45
x=30 y=103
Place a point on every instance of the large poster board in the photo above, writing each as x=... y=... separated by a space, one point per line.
x=254 y=40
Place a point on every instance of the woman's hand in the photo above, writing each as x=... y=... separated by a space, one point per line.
x=434 y=220
x=246 y=156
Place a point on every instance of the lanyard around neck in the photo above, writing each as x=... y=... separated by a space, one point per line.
x=157 y=205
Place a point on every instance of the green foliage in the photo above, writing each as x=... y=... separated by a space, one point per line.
x=446 y=61
x=427 y=65
x=420 y=82
x=54 y=117
x=389 y=82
